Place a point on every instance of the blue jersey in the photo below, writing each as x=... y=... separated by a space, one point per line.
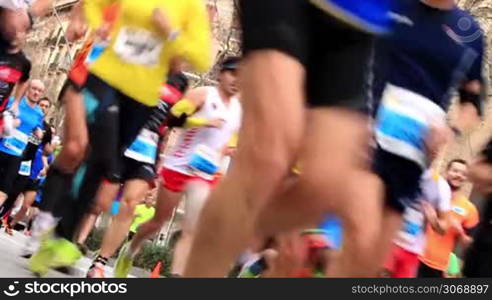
x=37 y=163
x=30 y=118
x=430 y=52
x=417 y=70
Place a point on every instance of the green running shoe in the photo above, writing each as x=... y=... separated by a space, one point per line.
x=124 y=263
x=66 y=254
x=40 y=261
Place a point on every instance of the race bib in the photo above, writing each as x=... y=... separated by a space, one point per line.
x=96 y=51
x=413 y=223
x=144 y=148
x=16 y=142
x=25 y=168
x=403 y=121
x=138 y=46
x=204 y=162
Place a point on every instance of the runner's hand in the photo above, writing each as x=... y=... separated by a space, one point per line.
x=456 y=226
x=76 y=30
x=103 y=31
x=43 y=172
x=215 y=123
x=429 y=212
x=437 y=137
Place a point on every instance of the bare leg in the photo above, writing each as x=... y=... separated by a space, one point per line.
x=3 y=197
x=75 y=133
x=273 y=124
x=29 y=198
x=195 y=195
x=166 y=202
x=86 y=227
x=106 y=194
x=116 y=233
x=335 y=178
x=75 y=140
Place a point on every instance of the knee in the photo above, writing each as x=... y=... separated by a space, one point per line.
x=268 y=162
x=127 y=207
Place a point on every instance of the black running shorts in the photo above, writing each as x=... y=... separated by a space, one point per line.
x=9 y=167
x=334 y=54
x=138 y=170
x=401 y=178
x=32 y=185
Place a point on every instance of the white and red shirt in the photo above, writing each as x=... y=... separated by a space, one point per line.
x=213 y=139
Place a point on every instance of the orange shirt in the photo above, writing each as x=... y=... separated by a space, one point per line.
x=439 y=247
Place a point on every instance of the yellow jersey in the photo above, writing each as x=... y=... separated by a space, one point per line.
x=137 y=59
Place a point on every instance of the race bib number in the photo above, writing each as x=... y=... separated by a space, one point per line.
x=403 y=121
x=17 y=142
x=204 y=162
x=25 y=168
x=144 y=148
x=138 y=46
x=413 y=223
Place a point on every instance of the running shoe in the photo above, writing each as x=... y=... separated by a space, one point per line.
x=39 y=263
x=97 y=271
x=124 y=263
x=54 y=253
x=372 y=16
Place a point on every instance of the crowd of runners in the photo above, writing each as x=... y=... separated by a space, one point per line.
x=318 y=153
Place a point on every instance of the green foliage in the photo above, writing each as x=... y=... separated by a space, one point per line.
x=146 y=259
x=150 y=255
x=94 y=240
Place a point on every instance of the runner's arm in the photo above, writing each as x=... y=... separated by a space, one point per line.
x=193 y=43
x=182 y=112
x=78 y=25
x=21 y=86
x=473 y=90
x=438 y=220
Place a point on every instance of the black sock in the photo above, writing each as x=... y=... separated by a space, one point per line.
x=55 y=188
x=99 y=259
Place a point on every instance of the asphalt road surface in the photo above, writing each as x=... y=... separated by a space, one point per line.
x=12 y=265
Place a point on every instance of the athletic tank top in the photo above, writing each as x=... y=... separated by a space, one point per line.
x=190 y=140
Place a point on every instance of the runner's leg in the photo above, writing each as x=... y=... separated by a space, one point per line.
x=86 y=227
x=29 y=198
x=134 y=191
x=167 y=201
x=196 y=192
x=75 y=140
x=273 y=91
